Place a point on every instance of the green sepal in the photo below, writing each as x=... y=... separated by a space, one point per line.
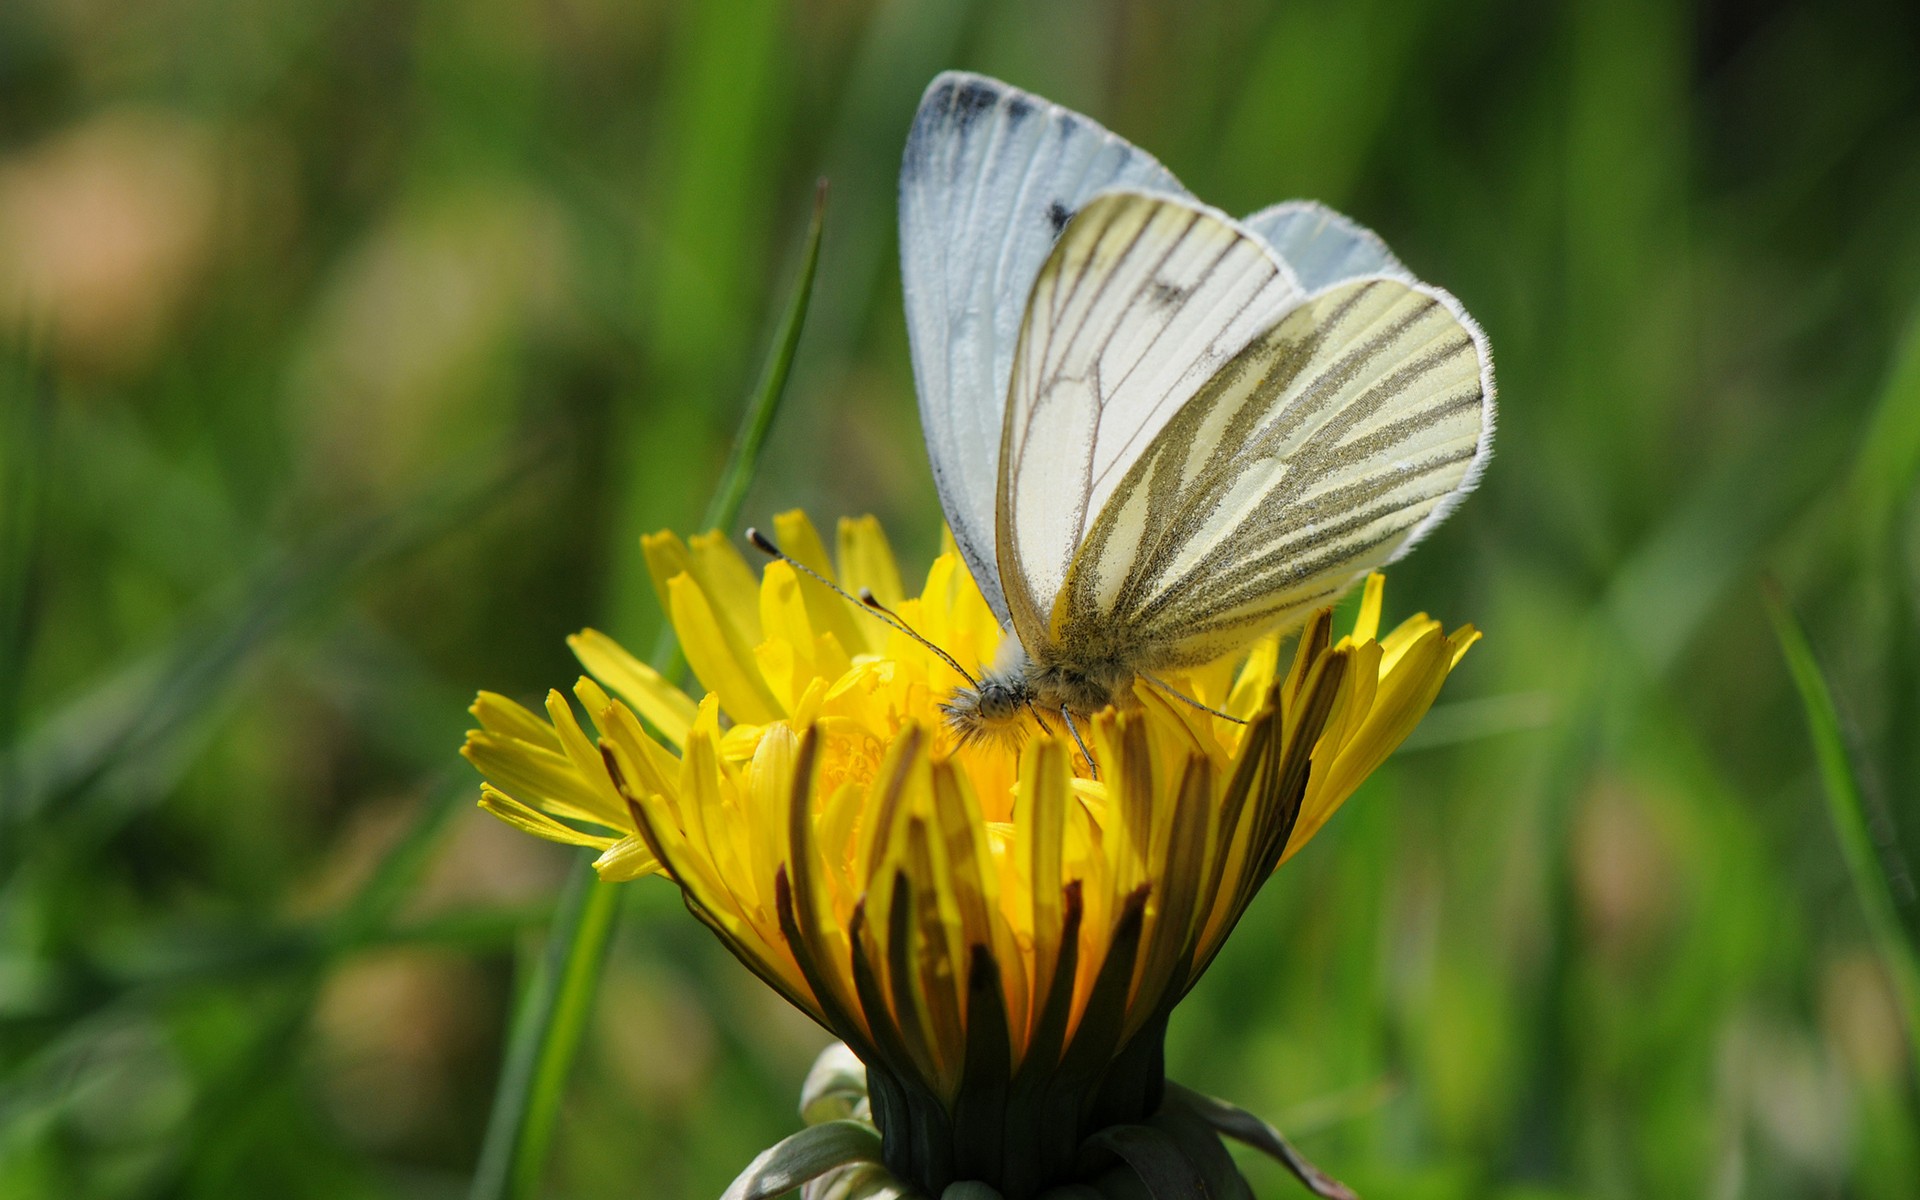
x=1242 y=1126
x=836 y=1087
x=1153 y=1157
x=804 y=1157
x=862 y=1181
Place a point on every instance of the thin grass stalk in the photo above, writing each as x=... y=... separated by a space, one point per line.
x=26 y=405
x=1871 y=864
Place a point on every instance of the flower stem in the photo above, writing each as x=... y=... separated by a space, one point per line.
x=547 y=1028
x=551 y=1015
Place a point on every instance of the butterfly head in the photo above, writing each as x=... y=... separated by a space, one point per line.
x=994 y=710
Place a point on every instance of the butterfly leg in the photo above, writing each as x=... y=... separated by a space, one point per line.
x=1066 y=715
x=1184 y=698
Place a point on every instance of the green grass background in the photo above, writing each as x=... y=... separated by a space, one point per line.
x=347 y=346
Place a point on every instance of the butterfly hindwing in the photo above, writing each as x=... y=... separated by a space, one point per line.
x=990 y=177
x=1322 y=246
x=1326 y=448
x=1142 y=300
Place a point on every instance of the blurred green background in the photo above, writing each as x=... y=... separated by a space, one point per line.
x=349 y=345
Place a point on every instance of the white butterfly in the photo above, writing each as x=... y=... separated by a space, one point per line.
x=1158 y=432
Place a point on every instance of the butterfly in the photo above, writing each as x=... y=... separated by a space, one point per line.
x=1157 y=431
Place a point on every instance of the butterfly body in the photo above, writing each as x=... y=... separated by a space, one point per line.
x=1018 y=689
x=1158 y=431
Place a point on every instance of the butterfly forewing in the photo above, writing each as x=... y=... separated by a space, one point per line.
x=1324 y=449
x=1144 y=298
x=990 y=177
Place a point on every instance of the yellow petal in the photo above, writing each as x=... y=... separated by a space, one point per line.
x=545 y=776
x=1250 y=687
x=1366 y=624
x=667 y=556
x=828 y=612
x=609 y=809
x=1403 y=637
x=1462 y=640
x=538 y=824
x=626 y=859
x=663 y=706
x=728 y=582
x=499 y=715
x=866 y=561
x=1402 y=699
x=951 y=615
x=786 y=656
x=976 y=884
x=1040 y=825
x=1356 y=700
x=727 y=670
x=650 y=769
x=769 y=795
x=836 y=833
x=781 y=668
x=679 y=848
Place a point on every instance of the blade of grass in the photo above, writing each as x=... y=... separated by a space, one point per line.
x=737 y=474
x=221 y=1120
x=1873 y=865
x=144 y=710
x=216 y=1120
x=194 y=958
x=551 y=1016
x=704 y=180
x=735 y=477
x=1890 y=450
x=26 y=404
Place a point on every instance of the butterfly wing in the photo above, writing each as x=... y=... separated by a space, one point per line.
x=1322 y=246
x=990 y=177
x=1329 y=446
x=1144 y=298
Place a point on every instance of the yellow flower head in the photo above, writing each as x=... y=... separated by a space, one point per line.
x=999 y=934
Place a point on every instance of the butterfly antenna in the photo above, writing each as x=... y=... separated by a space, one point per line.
x=1182 y=696
x=1073 y=729
x=865 y=600
x=871 y=602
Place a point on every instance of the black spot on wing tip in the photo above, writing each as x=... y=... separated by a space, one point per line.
x=969 y=99
x=935 y=108
x=1019 y=108
x=1058 y=215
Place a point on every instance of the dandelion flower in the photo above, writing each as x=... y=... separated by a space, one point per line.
x=998 y=932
